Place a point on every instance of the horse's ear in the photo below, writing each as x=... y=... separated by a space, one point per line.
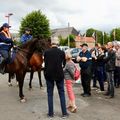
x=35 y=39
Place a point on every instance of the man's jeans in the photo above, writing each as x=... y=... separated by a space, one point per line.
x=110 y=78
x=50 y=89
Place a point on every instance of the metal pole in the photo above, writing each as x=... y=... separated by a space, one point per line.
x=8 y=17
x=68 y=35
x=103 y=38
x=8 y=20
x=114 y=32
x=96 y=36
x=85 y=37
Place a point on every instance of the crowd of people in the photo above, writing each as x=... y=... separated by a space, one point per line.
x=105 y=61
x=101 y=63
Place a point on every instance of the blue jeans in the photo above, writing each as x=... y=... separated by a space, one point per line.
x=110 y=78
x=117 y=76
x=50 y=89
x=100 y=76
x=5 y=54
x=95 y=77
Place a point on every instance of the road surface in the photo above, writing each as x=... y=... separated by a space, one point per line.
x=96 y=107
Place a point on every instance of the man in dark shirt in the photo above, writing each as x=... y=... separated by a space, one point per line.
x=53 y=72
x=85 y=62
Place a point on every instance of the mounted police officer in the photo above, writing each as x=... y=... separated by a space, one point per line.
x=26 y=36
x=6 y=44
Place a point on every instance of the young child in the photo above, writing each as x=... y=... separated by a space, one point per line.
x=69 y=80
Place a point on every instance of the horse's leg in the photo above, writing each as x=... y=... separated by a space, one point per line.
x=11 y=76
x=20 y=78
x=9 y=79
x=40 y=81
x=31 y=77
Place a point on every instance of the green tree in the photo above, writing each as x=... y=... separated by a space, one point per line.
x=97 y=35
x=72 y=40
x=89 y=32
x=38 y=23
x=64 y=42
x=115 y=34
x=106 y=37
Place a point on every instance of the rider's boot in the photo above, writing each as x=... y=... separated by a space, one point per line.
x=2 y=67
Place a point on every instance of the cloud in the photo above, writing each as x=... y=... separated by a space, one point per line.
x=82 y=14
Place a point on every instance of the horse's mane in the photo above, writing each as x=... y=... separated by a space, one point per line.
x=28 y=43
x=40 y=44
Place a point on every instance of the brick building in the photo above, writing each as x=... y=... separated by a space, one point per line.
x=80 y=40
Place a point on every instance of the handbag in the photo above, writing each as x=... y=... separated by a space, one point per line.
x=77 y=73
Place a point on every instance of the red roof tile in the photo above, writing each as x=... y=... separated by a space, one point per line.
x=85 y=39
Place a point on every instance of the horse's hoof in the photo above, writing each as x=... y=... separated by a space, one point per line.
x=9 y=84
x=17 y=84
x=23 y=100
x=30 y=89
x=42 y=88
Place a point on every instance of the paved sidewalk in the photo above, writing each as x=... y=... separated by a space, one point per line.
x=96 y=107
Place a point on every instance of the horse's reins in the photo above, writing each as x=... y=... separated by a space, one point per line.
x=22 y=49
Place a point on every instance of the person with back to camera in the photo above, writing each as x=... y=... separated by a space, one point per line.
x=53 y=72
x=6 y=44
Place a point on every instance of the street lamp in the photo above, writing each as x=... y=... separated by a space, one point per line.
x=8 y=16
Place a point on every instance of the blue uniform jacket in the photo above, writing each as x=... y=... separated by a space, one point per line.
x=85 y=65
x=25 y=38
x=5 y=43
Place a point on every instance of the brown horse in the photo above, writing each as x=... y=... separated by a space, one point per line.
x=35 y=64
x=20 y=63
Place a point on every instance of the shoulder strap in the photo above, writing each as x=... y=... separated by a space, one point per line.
x=7 y=35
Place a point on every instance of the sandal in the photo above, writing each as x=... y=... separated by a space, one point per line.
x=69 y=106
x=74 y=109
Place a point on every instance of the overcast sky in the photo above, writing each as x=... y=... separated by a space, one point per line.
x=82 y=14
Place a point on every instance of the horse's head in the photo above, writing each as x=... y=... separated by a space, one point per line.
x=35 y=45
x=42 y=45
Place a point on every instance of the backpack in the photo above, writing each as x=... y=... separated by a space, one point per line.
x=77 y=73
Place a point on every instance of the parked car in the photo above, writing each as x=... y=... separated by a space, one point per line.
x=63 y=48
x=75 y=52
